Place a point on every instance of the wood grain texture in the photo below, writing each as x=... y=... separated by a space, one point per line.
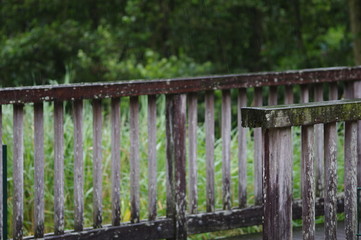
x=258 y=153
x=1 y=177
x=226 y=149
x=78 y=166
x=350 y=179
x=272 y=97
x=39 y=170
x=289 y=95
x=115 y=146
x=192 y=151
x=358 y=95
x=134 y=160
x=97 y=163
x=319 y=145
x=305 y=94
x=180 y=166
x=330 y=180
x=18 y=169
x=242 y=150
x=209 y=125
x=58 y=168
x=277 y=184
x=308 y=183
x=152 y=158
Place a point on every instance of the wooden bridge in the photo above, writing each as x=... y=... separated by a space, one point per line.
x=273 y=204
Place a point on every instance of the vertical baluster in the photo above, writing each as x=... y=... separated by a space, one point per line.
x=115 y=145
x=18 y=169
x=242 y=150
x=358 y=95
x=209 y=125
x=226 y=148
x=134 y=159
x=59 y=168
x=2 y=172
x=308 y=183
x=258 y=152
x=78 y=165
x=97 y=164
x=305 y=94
x=170 y=156
x=289 y=94
x=272 y=98
x=192 y=135
x=152 y=158
x=39 y=170
x=180 y=166
x=319 y=158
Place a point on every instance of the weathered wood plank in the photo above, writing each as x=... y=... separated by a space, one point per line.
x=78 y=166
x=305 y=94
x=350 y=179
x=209 y=125
x=226 y=149
x=308 y=183
x=242 y=150
x=58 y=168
x=18 y=169
x=1 y=177
x=152 y=158
x=180 y=165
x=39 y=170
x=97 y=163
x=192 y=148
x=358 y=95
x=277 y=184
x=318 y=141
x=134 y=159
x=333 y=94
x=330 y=180
x=302 y=114
x=272 y=98
x=115 y=145
x=258 y=152
x=289 y=94
x=172 y=86
x=169 y=116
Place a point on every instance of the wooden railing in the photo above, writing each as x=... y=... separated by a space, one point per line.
x=182 y=217
x=276 y=122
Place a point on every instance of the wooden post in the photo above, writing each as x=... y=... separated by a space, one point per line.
x=277 y=184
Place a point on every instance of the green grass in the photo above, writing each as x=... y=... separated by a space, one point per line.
x=125 y=146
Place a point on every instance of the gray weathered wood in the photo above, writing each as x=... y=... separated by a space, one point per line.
x=226 y=149
x=319 y=157
x=192 y=148
x=330 y=180
x=289 y=94
x=97 y=163
x=305 y=94
x=302 y=114
x=242 y=150
x=358 y=95
x=78 y=166
x=350 y=180
x=258 y=152
x=180 y=166
x=333 y=92
x=272 y=98
x=58 y=168
x=308 y=183
x=169 y=116
x=277 y=184
x=152 y=158
x=134 y=159
x=18 y=169
x=1 y=177
x=209 y=125
x=39 y=170
x=115 y=144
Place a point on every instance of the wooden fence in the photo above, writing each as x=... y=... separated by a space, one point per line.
x=182 y=96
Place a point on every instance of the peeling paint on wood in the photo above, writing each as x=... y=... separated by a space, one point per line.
x=78 y=165
x=115 y=146
x=39 y=170
x=18 y=169
x=134 y=160
x=258 y=152
x=209 y=125
x=152 y=158
x=226 y=149
x=192 y=148
x=97 y=164
x=242 y=150
x=58 y=168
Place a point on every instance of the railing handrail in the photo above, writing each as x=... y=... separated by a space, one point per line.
x=68 y=92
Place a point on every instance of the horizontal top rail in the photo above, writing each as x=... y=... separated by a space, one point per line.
x=21 y=95
x=301 y=114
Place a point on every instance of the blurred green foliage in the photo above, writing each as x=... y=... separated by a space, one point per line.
x=119 y=40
